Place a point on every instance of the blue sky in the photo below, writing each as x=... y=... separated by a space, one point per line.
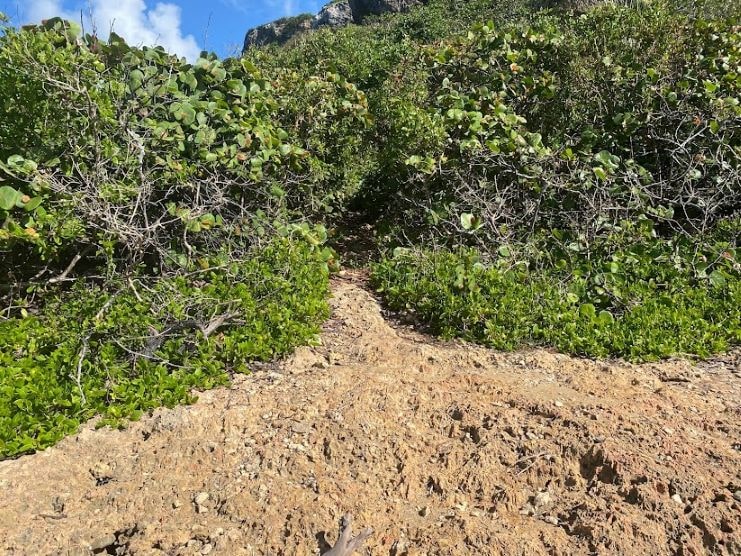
x=182 y=26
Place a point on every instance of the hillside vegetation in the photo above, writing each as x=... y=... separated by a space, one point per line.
x=533 y=177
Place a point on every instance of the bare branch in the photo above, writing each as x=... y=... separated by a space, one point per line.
x=347 y=544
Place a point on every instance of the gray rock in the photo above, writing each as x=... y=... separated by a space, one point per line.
x=102 y=543
x=279 y=31
x=542 y=499
x=737 y=495
x=334 y=14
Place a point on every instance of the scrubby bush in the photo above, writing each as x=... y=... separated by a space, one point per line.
x=539 y=120
x=641 y=301
x=593 y=163
x=154 y=230
x=140 y=343
x=539 y=129
x=155 y=157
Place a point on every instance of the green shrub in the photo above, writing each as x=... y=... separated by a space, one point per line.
x=329 y=117
x=570 y=123
x=148 y=235
x=641 y=301
x=144 y=343
x=537 y=119
x=155 y=158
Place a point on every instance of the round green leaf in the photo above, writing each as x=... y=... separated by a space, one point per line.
x=33 y=204
x=8 y=197
x=183 y=112
x=717 y=279
x=587 y=310
x=605 y=318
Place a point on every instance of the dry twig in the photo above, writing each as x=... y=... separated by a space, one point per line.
x=347 y=544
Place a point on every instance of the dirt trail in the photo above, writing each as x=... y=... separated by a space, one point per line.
x=441 y=448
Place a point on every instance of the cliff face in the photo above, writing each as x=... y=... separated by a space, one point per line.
x=334 y=14
x=278 y=31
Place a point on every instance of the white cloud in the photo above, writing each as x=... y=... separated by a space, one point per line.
x=36 y=10
x=132 y=19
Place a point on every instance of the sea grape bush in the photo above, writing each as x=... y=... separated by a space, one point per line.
x=593 y=162
x=540 y=120
x=149 y=242
x=156 y=155
x=543 y=131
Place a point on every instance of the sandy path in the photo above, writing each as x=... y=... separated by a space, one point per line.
x=441 y=448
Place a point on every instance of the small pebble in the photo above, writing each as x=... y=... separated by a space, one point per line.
x=207 y=549
x=201 y=498
x=550 y=519
x=542 y=499
x=677 y=498
x=737 y=495
x=102 y=543
x=558 y=403
x=300 y=428
x=199 y=531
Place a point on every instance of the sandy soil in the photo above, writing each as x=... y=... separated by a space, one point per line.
x=441 y=448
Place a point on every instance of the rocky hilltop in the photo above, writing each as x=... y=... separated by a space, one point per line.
x=334 y=14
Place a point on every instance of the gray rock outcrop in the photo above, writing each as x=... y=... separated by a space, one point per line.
x=277 y=32
x=334 y=14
